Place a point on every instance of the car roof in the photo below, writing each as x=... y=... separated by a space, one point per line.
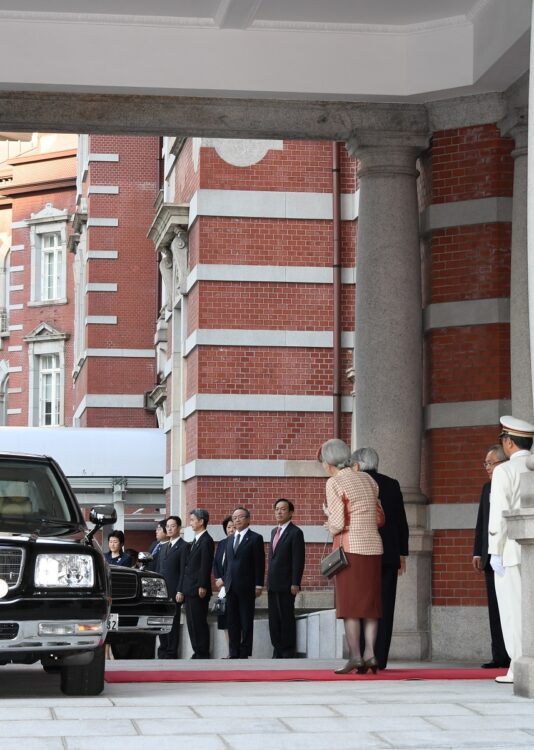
x=25 y=456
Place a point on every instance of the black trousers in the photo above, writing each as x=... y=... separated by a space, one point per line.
x=282 y=625
x=390 y=575
x=196 y=614
x=169 y=643
x=498 y=650
x=240 y=620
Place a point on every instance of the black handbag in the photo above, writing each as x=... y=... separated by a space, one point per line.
x=334 y=562
x=337 y=559
x=219 y=606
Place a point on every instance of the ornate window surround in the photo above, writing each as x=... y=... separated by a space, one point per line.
x=44 y=339
x=48 y=220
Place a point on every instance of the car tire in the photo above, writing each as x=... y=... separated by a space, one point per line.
x=87 y=679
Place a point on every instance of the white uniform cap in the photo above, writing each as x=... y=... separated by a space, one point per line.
x=516 y=427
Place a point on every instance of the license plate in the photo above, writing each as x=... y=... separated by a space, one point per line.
x=113 y=622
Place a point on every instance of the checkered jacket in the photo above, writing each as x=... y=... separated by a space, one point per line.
x=355 y=525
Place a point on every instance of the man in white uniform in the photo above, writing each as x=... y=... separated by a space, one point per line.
x=516 y=440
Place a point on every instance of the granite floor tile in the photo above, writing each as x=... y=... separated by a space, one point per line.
x=170 y=742
x=456 y=740
x=62 y=728
x=319 y=741
x=295 y=710
x=359 y=724
x=124 y=712
x=402 y=709
x=200 y=726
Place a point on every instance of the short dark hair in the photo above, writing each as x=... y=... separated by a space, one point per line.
x=162 y=524
x=117 y=534
x=226 y=522
x=201 y=514
x=245 y=511
x=523 y=443
x=290 y=506
x=174 y=518
x=134 y=554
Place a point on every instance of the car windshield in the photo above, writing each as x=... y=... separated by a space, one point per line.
x=32 y=499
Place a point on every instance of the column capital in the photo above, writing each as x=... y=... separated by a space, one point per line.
x=515 y=124
x=387 y=151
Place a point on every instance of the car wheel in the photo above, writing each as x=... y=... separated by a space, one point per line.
x=87 y=679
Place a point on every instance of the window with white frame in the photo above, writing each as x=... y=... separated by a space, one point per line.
x=52 y=265
x=49 y=391
x=46 y=376
x=48 y=240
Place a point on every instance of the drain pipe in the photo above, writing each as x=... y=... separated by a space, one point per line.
x=336 y=270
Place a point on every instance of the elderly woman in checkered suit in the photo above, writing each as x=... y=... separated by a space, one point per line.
x=351 y=510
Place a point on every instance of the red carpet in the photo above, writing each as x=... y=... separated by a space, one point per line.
x=289 y=675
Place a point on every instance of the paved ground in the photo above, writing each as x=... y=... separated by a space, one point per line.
x=460 y=714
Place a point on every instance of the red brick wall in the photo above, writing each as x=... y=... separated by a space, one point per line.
x=187 y=180
x=303 y=371
x=287 y=436
x=300 y=166
x=454 y=582
x=470 y=363
x=466 y=363
x=470 y=262
x=59 y=316
x=135 y=272
x=457 y=474
x=469 y=163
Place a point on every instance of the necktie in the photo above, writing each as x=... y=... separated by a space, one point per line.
x=156 y=549
x=277 y=537
x=236 y=541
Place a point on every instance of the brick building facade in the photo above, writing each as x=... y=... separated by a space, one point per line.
x=241 y=374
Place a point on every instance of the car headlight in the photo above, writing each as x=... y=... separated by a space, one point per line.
x=155 y=588
x=64 y=570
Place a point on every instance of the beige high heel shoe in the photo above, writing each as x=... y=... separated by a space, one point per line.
x=352 y=665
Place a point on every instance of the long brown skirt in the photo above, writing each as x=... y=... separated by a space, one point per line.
x=358 y=587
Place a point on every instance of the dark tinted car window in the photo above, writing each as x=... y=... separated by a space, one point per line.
x=32 y=497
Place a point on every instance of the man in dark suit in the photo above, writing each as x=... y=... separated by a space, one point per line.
x=243 y=581
x=157 y=544
x=394 y=535
x=481 y=563
x=286 y=566
x=195 y=586
x=170 y=565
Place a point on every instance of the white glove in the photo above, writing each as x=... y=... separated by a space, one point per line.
x=496 y=564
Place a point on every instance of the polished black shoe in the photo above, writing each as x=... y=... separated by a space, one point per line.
x=494 y=665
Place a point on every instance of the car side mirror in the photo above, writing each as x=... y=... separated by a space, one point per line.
x=101 y=515
x=143 y=559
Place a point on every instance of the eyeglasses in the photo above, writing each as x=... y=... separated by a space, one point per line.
x=487 y=464
x=238 y=518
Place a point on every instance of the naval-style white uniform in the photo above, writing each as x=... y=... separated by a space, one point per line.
x=505 y=496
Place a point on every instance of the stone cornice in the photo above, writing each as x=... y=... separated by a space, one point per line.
x=169 y=217
x=245 y=118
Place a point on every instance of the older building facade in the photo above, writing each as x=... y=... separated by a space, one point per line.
x=252 y=298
